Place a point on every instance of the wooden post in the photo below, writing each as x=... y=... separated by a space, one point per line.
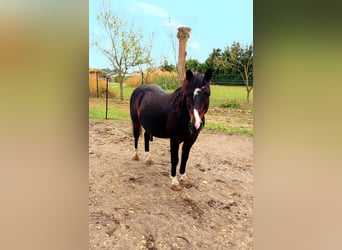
x=106 y=96
x=97 y=85
x=183 y=36
x=142 y=78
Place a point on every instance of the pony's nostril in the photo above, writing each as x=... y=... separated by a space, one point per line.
x=198 y=125
x=195 y=129
x=192 y=127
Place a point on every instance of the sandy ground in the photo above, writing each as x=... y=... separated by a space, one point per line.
x=132 y=205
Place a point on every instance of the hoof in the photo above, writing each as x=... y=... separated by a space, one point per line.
x=183 y=177
x=184 y=181
x=174 y=181
x=176 y=187
x=135 y=156
x=148 y=160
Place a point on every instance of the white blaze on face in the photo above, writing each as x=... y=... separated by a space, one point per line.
x=197 y=90
x=196 y=114
x=197 y=119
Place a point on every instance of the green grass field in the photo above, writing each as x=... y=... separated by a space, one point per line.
x=228 y=112
x=223 y=94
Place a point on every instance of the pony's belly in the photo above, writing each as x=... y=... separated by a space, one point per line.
x=164 y=130
x=156 y=128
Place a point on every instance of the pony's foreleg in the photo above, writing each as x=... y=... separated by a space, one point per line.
x=174 y=160
x=136 y=134
x=147 y=138
x=185 y=156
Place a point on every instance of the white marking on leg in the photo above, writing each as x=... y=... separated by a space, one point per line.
x=174 y=180
x=198 y=120
x=148 y=158
x=135 y=155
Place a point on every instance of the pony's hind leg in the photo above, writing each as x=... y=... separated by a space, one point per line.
x=147 y=139
x=136 y=134
x=174 y=144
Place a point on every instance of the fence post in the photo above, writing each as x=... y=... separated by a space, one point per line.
x=106 y=96
x=97 y=85
x=142 y=78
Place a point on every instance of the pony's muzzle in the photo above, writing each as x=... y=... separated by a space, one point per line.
x=196 y=123
x=195 y=127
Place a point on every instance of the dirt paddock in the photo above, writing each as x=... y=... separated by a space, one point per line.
x=132 y=205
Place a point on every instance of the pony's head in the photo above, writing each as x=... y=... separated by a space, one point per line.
x=196 y=89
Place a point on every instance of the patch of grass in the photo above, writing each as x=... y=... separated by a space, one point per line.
x=127 y=91
x=232 y=104
x=231 y=130
x=228 y=95
x=116 y=110
x=229 y=92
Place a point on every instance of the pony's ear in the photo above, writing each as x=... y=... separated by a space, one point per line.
x=189 y=74
x=208 y=74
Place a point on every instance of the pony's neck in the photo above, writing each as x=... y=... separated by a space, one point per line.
x=178 y=100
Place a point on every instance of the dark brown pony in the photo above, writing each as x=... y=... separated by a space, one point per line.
x=178 y=116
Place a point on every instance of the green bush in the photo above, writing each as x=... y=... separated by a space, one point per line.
x=232 y=104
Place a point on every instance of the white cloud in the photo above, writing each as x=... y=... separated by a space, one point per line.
x=153 y=10
x=150 y=9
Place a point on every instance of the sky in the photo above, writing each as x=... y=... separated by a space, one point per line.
x=214 y=24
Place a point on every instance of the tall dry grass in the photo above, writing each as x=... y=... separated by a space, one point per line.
x=153 y=77
x=101 y=87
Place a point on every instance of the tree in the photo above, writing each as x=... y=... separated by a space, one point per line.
x=146 y=59
x=194 y=65
x=217 y=62
x=168 y=67
x=123 y=48
x=241 y=58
